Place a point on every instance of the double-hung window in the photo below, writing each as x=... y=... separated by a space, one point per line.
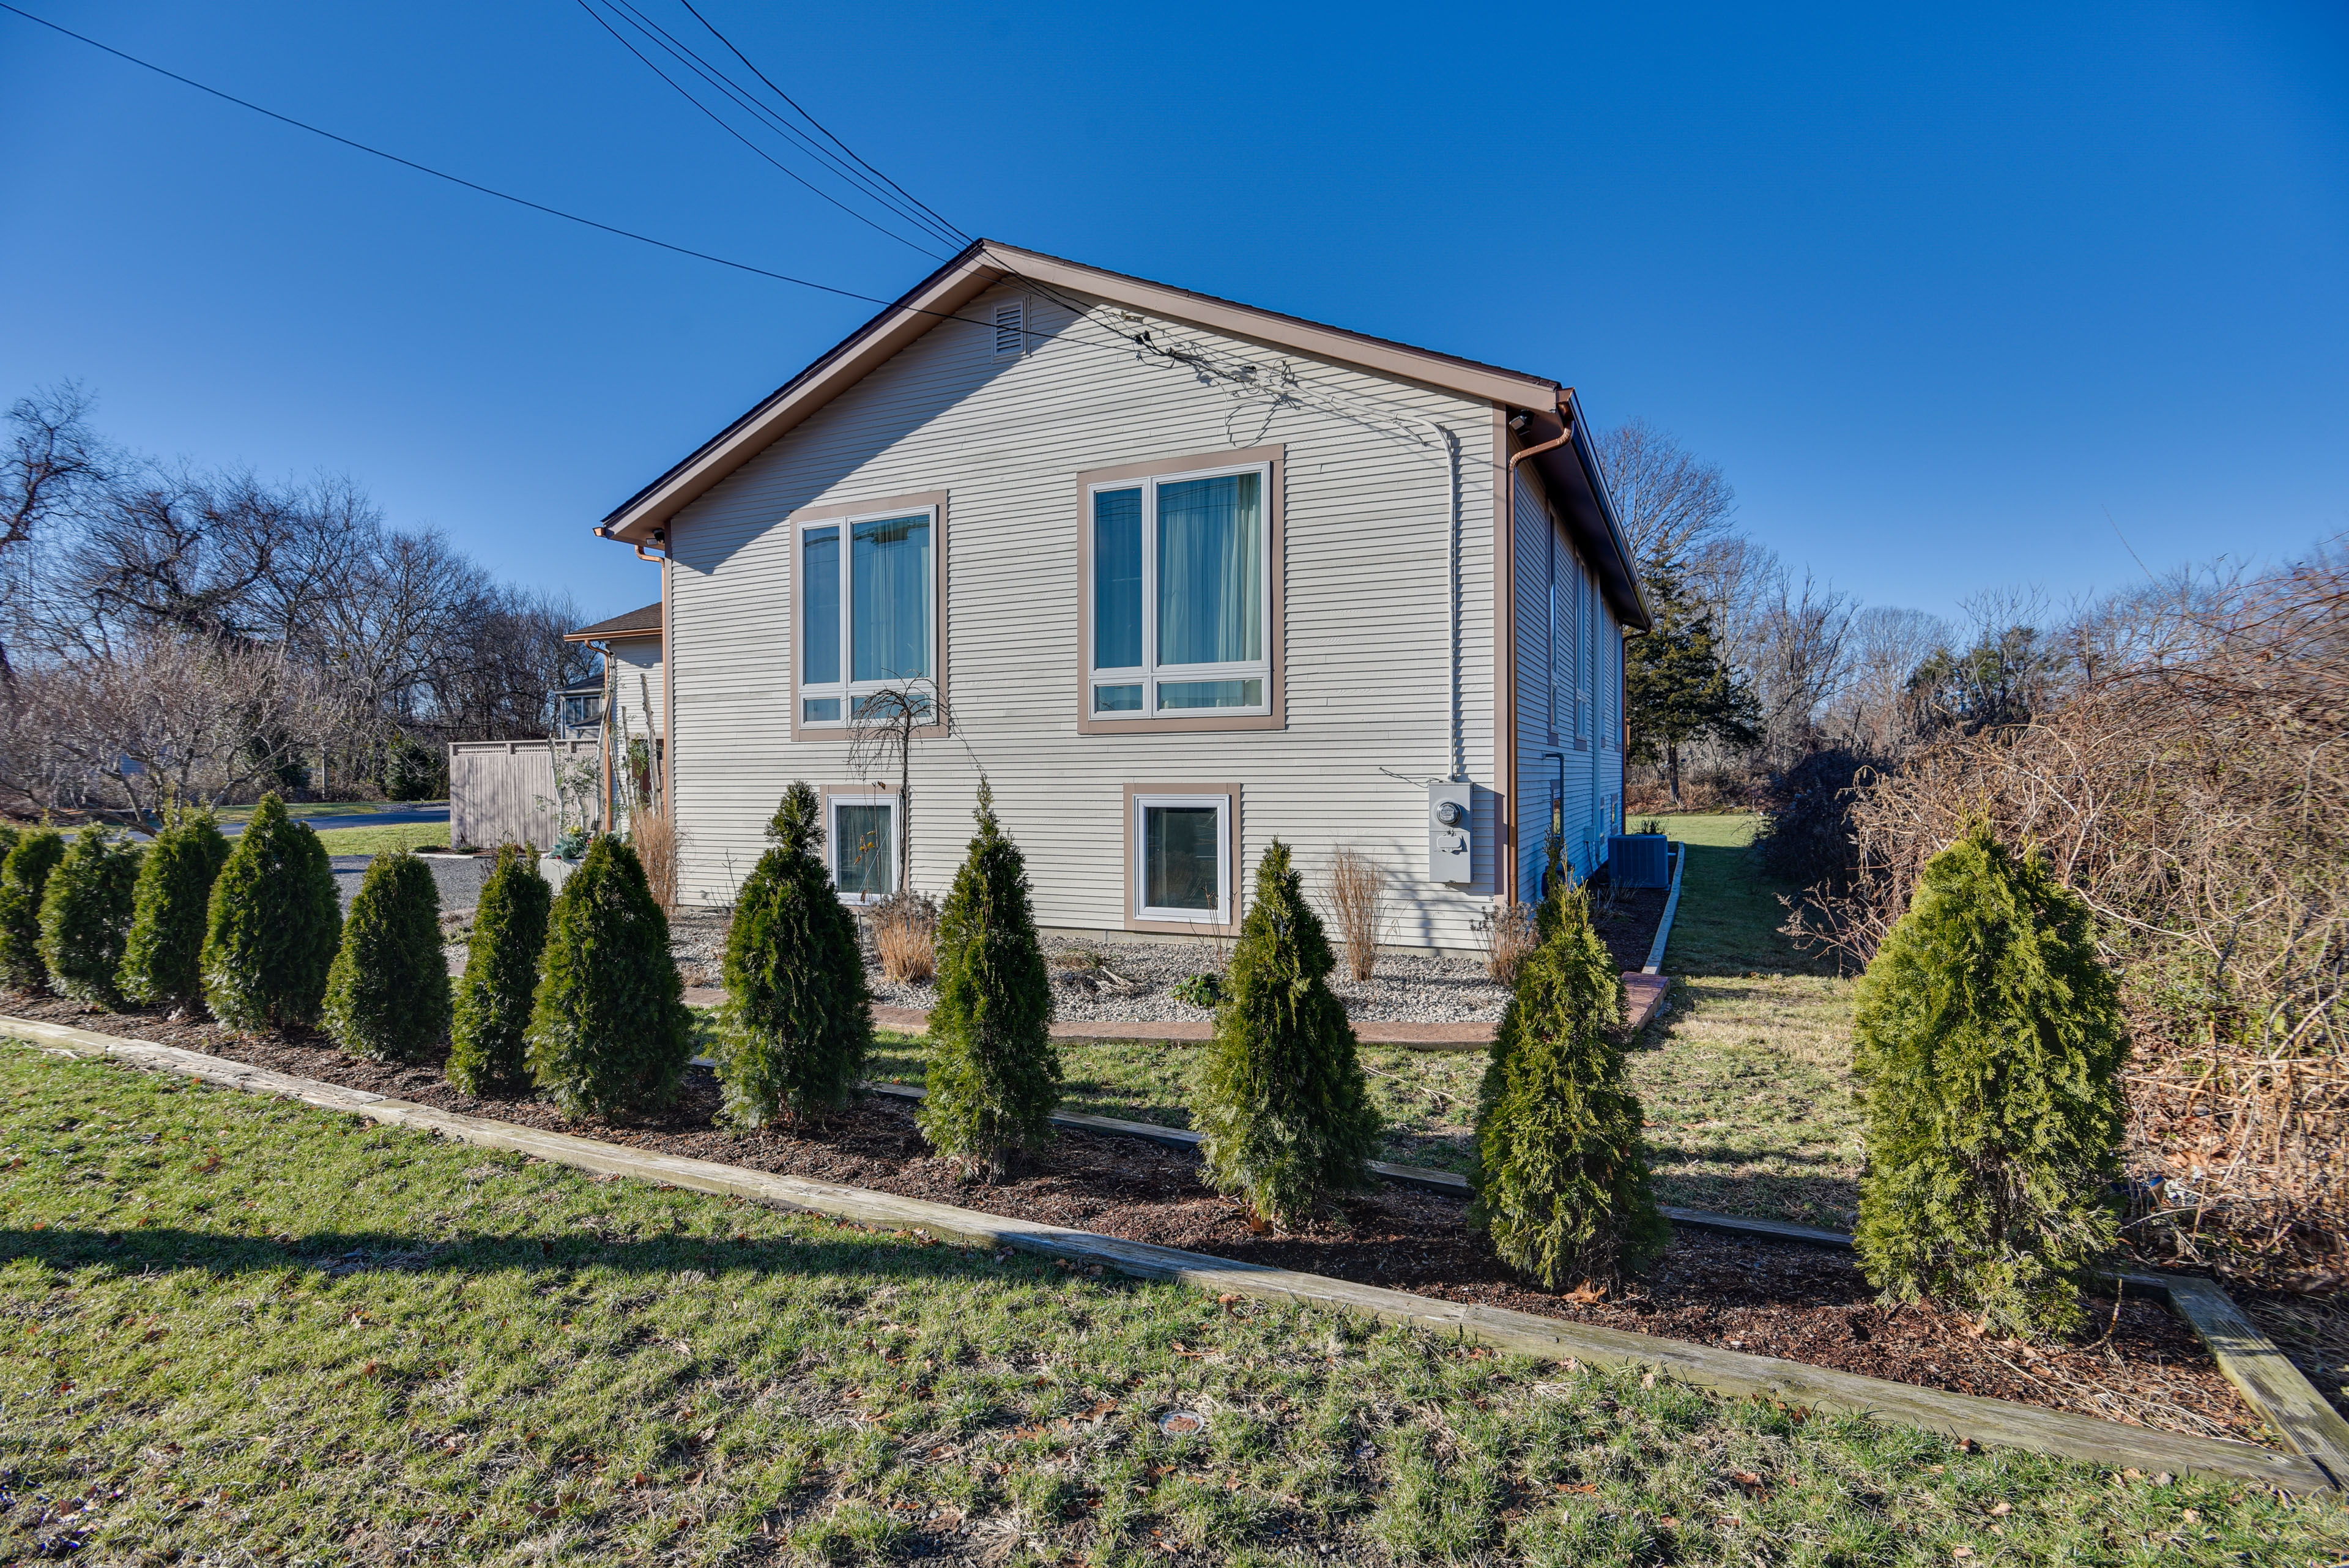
x=1180 y=601
x=868 y=604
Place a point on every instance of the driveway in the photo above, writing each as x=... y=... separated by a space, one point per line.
x=394 y=816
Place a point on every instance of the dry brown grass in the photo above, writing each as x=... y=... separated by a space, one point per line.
x=2195 y=791
x=1506 y=933
x=654 y=838
x=905 y=937
x=1358 y=901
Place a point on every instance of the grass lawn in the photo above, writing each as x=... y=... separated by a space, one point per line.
x=1746 y=1081
x=382 y=840
x=238 y=1329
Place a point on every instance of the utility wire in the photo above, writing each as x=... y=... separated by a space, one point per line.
x=1129 y=342
x=820 y=126
x=719 y=120
x=865 y=181
x=440 y=174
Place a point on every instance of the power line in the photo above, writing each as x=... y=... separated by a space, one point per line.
x=820 y=126
x=442 y=174
x=718 y=119
x=894 y=196
x=1245 y=376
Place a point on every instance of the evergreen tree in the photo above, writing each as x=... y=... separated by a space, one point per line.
x=994 y=1076
x=1988 y=1044
x=800 y=1022
x=86 y=916
x=609 y=1033
x=1561 y=1181
x=23 y=879
x=1677 y=687
x=274 y=923
x=388 y=990
x=162 y=962
x=1281 y=1098
x=487 y=1053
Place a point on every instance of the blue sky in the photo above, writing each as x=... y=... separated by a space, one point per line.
x=1957 y=299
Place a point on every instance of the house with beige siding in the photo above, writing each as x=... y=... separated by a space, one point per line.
x=1177 y=576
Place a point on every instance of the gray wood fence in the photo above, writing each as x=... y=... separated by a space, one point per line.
x=503 y=791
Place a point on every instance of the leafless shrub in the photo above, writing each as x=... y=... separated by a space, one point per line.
x=1358 y=899
x=119 y=732
x=2195 y=791
x=1506 y=933
x=905 y=936
x=653 y=836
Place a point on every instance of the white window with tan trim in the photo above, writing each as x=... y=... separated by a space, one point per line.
x=1181 y=846
x=868 y=609
x=1182 y=612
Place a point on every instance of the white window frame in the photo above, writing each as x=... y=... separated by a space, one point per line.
x=833 y=801
x=1151 y=674
x=845 y=689
x=1221 y=916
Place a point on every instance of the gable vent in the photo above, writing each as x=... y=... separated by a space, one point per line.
x=1012 y=326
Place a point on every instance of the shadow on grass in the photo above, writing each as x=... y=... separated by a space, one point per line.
x=343 y=1255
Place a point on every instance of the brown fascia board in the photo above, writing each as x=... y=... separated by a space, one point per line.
x=979 y=267
x=649 y=634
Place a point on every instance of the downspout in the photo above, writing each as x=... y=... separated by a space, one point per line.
x=1452 y=470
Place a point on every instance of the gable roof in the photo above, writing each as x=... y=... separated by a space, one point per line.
x=1571 y=469
x=644 y=622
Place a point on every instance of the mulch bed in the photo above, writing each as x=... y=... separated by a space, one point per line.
x=2139 y=1365
x=1627 y=920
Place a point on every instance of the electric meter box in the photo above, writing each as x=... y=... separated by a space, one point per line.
x=1451 y=844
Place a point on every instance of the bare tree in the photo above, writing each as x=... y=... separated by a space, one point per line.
x=1874 y=715
x=882 y=742
x=165 y=718
x=1671 y=502
x=52 y=465
x=1797 y=652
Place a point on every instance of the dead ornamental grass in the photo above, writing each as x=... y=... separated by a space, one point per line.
x=2196 y=793
x=904 y=938
x=1358 y=904
x=654 y=838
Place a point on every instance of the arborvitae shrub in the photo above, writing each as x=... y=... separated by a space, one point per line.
x=1989 y=1043
x=86 y=916
x=273 y=926
x=1281 y=1098
x=486 y=1053
x=609 y=1033
x=800 y=1022
x=162 y=962
x=1561 y=1179
x=388 y=991
x=994 y=1076
x=23 y=879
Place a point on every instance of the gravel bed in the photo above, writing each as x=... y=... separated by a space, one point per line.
x=459 y=878
x=1129 y=982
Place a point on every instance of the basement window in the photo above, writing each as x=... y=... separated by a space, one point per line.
x=1182 y=858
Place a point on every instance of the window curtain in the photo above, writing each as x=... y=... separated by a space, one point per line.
x=889 y=628
x=819 y=602
x=1211 y=570
x=1117 y=580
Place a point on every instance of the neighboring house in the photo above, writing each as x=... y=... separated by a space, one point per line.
x=629 y=694
x=1188 y=575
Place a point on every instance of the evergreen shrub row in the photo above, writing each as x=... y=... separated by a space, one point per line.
x=1989 y=1032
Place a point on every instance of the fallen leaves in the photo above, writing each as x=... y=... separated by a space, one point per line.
x=1586 y=1294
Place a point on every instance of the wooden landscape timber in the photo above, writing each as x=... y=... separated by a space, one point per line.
x=1730 y=1372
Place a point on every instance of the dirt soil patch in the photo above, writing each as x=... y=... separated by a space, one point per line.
x=2138 y=1364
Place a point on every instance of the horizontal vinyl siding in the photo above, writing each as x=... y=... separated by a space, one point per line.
x=1547 y=674
x=1367 y=623
x=637 y=687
